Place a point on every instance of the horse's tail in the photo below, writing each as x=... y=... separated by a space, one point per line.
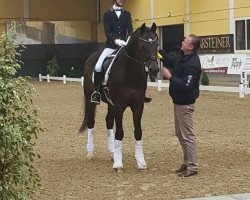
x=89 y=108
x=84 y=122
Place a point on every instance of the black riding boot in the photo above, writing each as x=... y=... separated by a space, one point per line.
x=96 y=96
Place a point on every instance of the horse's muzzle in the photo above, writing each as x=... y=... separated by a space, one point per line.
x=153 y=67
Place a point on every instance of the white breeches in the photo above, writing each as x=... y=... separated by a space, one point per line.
x=106 y=51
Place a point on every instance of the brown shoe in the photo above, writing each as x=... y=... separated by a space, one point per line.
x=182 y=168
x=188 y=173
x=147 y=100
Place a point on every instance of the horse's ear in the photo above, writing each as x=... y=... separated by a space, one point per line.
x=143 y=27
x=153 y=27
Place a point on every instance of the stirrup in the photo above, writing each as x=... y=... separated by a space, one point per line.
x=96 y=99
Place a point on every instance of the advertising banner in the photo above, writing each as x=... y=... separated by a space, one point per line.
x=225 y=63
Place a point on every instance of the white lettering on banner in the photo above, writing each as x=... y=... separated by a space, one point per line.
x=215 y=42
x=216 y=71
x=236 y=64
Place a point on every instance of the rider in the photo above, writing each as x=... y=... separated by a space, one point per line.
x=118 y=27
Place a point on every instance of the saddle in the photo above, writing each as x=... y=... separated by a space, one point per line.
x=107 y=64
x=106 y=67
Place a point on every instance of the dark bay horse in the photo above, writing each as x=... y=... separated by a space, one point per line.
x=127 y=84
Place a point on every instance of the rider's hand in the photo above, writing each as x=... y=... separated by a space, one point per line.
x=120 y=43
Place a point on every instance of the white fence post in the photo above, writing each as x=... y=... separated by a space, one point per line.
x=64 y=79
x=241 y=90
x=243 y=78
x=159 y=85
x=48 y=79
x=82 y=80
x=40 y=77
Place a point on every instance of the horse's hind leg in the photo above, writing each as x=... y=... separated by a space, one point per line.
x=110 y=134
x=139 y=155
x=90 y=114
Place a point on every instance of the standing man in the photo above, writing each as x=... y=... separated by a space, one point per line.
x=184 y=90
x=118 y=28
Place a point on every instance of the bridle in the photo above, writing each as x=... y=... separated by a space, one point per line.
x=148 y=61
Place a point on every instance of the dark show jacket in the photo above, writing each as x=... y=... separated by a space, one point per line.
x=117 y=28
x=185 y=80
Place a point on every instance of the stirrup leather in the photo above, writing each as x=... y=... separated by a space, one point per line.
x=106 y=93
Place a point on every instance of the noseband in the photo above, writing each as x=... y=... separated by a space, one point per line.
x=148 y=61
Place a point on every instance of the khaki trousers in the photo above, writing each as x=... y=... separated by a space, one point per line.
x=183 y=115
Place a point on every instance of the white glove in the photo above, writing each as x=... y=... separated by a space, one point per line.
x=120 y=43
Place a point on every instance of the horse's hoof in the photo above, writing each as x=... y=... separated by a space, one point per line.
x=142 y=166
x=111 y=156
x=117 y=165
x=90 y=155
x=118 y=170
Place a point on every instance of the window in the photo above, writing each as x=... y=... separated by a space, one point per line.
x=172 y=36
x=248 y=34
x=242 y=34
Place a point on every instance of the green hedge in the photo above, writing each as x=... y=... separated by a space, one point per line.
x=19 y=126
x=204 y=79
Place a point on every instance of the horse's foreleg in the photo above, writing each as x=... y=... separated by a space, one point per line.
x=118 y=139
x=111 y=142
x=118 y=155
x=110 y=134
x=139 y=155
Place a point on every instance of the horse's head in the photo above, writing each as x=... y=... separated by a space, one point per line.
x=144 y=44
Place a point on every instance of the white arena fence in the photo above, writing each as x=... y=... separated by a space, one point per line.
x=243 y=88
x=64 y=79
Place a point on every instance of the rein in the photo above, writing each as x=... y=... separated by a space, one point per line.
x=153 y=58
x=142 y=63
